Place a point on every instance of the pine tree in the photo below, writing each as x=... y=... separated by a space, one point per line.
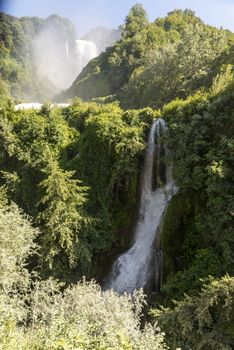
x=62 y=217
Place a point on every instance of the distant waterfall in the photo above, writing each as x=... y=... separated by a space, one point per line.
x=38 y=106
x=85 y=51
x=133 y=269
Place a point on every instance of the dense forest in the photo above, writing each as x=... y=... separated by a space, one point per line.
x=70 y=182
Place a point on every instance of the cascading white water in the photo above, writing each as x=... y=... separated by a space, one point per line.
x=132 y=270
x=37 y=106
x=85 y=51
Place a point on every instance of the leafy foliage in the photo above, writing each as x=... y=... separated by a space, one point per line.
x=36 y=314
x=76 y=172
x=167 y=74
x=200 y=136
x=204 y=321
x=62 y=218
x=84 y=201
x=147 y=66
x=16 y=246
x=81 y=317
x=108 y=73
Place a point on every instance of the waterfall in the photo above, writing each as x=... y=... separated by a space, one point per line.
x=133 y=269
x=67 y=48
x=85 y=51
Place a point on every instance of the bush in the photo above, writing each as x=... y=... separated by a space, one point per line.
x=82 y=317
x=202 y=322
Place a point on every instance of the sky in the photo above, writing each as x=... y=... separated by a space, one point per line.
x=87 y=14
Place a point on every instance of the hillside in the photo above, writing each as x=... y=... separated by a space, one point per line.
x=147 y=66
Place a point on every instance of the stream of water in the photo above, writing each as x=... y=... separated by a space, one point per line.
x=135 y=268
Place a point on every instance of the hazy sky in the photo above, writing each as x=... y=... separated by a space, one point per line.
x=86 y=14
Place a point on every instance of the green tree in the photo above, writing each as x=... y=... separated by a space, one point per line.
x=200 y=138
x=63 y=219
x=202 y=322
x=136 y=20
x=81 y=317
x=16 y=246
x=177 y=69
